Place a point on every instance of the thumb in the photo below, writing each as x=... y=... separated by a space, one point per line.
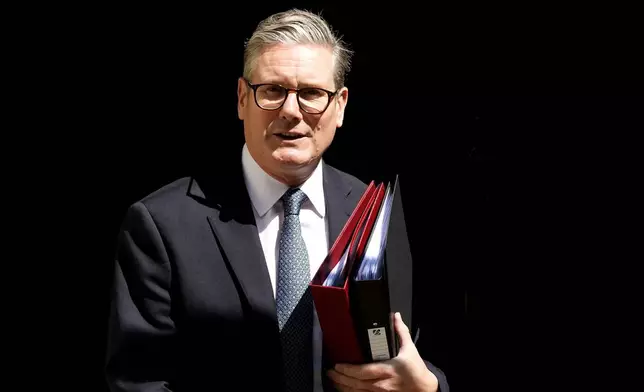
x=402 y=331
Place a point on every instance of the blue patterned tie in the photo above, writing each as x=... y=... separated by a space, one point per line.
x=293 y=298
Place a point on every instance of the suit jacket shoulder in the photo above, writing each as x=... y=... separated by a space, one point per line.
x=167 y=192
x=350 y=179
x=171 y=196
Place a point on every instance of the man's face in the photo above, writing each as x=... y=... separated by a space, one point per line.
x=307 y=135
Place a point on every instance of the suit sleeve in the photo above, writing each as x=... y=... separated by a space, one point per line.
x=442 y=380
x=141 y=330
x=443 y=386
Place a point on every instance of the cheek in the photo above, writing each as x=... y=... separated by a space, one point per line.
x=258 y=123
x=324 y=132
x=325 y=128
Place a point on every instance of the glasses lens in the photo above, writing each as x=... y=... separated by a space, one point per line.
x=270 y=96
x=314 y=100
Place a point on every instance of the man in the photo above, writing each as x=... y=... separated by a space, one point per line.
x=211 y=278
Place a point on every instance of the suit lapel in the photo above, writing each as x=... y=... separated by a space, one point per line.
x=339 y=207
x=234 y=228
x=242 y=248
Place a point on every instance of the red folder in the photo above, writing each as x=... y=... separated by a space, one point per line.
x=351 y=315
x=332 y=303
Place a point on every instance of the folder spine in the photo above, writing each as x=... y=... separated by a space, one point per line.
x=372 y=315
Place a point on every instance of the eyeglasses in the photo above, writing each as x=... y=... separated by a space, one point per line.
x=312 y=100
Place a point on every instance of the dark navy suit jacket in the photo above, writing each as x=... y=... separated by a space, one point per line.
x=192 y=306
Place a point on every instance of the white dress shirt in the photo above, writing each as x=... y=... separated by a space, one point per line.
x=265 y=193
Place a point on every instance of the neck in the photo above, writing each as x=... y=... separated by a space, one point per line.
x=295 y=176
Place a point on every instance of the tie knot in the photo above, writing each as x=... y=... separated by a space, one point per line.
x=292 y=200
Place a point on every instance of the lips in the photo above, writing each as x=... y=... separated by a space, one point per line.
x=290 y=135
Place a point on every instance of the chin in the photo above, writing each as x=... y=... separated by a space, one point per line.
x=293 y=157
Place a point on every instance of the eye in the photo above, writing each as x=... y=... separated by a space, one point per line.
x=312 y=93
x=274 y=89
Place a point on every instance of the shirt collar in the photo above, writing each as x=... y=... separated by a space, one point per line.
x=265 y=191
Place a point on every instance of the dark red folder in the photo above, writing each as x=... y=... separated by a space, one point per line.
x=356 y=317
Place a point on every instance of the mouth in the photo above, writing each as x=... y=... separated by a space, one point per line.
x=290 y=135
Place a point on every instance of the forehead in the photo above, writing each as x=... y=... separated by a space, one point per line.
x=295 y=65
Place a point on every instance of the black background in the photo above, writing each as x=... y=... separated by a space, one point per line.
x=508 y=127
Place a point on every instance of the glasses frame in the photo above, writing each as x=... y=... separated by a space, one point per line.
x=254 y=87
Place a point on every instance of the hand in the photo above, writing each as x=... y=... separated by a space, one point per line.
x=406 y=372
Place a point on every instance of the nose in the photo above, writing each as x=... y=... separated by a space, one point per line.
x=291 y=109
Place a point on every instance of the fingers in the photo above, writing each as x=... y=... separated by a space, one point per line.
x=345 y=383
x=369 y=371
x=402 y=331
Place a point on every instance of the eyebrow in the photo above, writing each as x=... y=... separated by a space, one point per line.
x=300 y=86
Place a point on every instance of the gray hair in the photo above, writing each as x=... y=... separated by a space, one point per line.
x=297 y=27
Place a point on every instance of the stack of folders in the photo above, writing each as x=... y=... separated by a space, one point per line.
x=364 y=279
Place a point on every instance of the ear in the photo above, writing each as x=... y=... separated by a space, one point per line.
x=341 y=103
x=242 y=94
